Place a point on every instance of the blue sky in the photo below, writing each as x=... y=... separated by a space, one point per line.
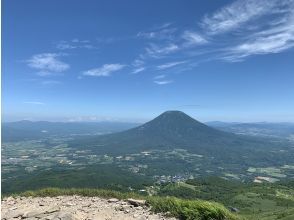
x=131 y=60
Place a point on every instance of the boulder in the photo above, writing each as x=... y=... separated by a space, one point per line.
x=113 y=200
x=136 y=202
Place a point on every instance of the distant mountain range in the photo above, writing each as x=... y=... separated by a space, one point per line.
x=28 y=130
x=264 y=129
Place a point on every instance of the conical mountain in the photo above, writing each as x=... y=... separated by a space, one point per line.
x=170 y=130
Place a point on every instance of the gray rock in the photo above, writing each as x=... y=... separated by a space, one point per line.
x=13 y=214
x=52 y=209
x=113 y=200
x=34 y=213
x=136 y=202
x=65 y=216
x=13 y=208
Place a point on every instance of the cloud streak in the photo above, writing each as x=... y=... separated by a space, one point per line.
x=236 y=14
x=138 y=70
x=279 y=37
x=193 y=38
x=74 y=44
x=34 y=103
x=232 y=33
x=105 y=70
x=157 y=51
x=162 y=82
x=170 y=65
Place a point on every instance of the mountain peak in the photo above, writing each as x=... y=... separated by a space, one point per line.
x=171 y=129
x=175 y=116
x=173 y=112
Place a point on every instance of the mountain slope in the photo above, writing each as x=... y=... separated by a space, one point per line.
x=172 y=129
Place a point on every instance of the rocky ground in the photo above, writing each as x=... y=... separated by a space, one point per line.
x=76 y=207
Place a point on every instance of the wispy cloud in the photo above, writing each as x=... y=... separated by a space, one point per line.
x=105 y=70
x=65 y=46
x=157 y=51
x=138 y=62
x=75 y=44
x=34 y=103
x=236 y=14
x=138 y=70
x=162 y=32
x=76 y=40
x=193 y=38
x=258 y=27
x=50 y=82
x=47 y=64
x=273 y=40
x=232 y=33
x=169 y=65
x=162 y=82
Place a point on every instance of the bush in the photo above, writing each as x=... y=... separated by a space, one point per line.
x=190 y=209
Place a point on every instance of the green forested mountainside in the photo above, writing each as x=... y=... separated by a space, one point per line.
x=98 y=176
x=253 y=201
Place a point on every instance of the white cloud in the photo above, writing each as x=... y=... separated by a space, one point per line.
x=47 y=63
x=169 y=65
x=157 y=51
x=138 y=70
x=160 y=32
x=264 y=45
x=277 y=37
x=105 y=70
x=162 y=82
x=138 y=62
x=163 y=34
x=193 y=38
x=74 y=44
x=65 y=46
x=34 y=103
x=50 y=82
x=234 y=15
